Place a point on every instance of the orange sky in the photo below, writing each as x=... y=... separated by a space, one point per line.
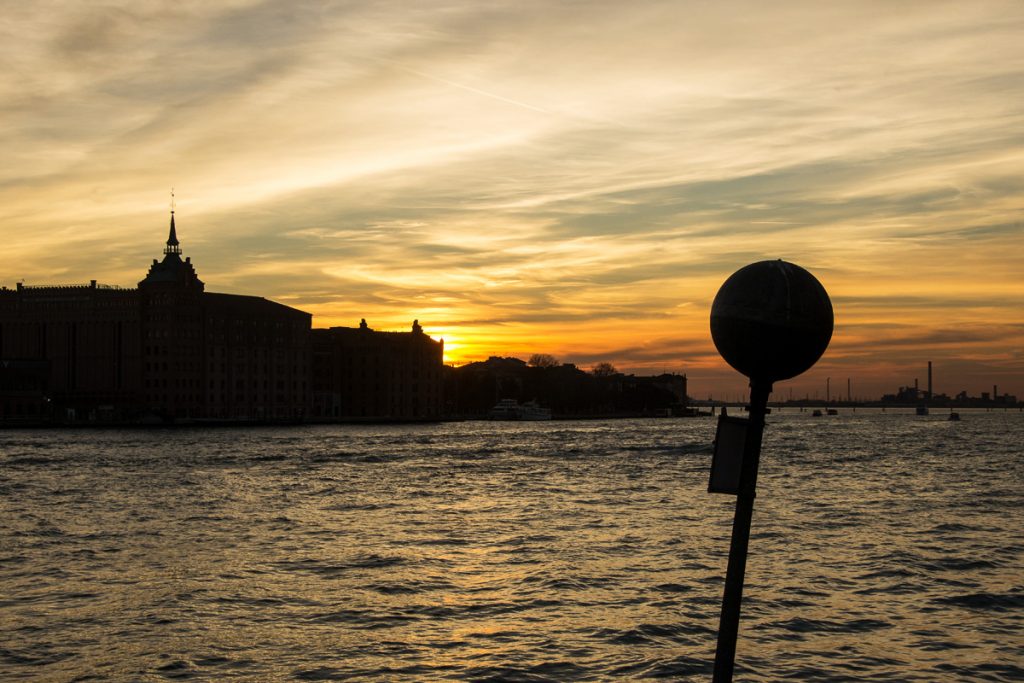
x=568 y=178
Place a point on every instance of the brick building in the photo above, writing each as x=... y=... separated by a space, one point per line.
x=360 y=373
x=167 y=350
x=87 y=339
x=170 y=351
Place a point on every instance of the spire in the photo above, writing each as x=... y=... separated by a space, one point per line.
x=172 y=271
x=172 y=239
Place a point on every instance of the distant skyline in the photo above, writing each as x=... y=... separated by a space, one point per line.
x=570 y=178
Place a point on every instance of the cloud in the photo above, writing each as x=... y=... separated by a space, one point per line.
x=531 y=175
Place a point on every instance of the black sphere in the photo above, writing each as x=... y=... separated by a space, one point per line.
x=771 y=320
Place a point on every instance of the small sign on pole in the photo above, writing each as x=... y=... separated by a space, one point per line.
x=727 y=460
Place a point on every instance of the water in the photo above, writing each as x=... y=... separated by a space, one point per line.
x=885 y=547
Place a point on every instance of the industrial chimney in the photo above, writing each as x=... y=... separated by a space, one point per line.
x=928 y=397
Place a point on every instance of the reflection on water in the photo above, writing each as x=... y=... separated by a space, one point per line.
x=884 y=546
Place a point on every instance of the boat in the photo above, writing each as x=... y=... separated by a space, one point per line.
x=832 y=411
x=954 y=417
x=816 y=413
x=922 y=410
x=510 y=409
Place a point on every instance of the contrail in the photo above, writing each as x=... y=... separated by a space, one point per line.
x=471 y=89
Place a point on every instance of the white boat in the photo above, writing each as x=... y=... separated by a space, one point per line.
x=510 y=409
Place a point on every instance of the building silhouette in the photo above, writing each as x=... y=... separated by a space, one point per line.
x=76 y=348
x=473 y=389
x=169 y=351
x=363 y=374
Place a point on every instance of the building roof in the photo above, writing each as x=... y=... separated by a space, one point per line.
x=250 y=305
x=369 y=337
x=172 y=270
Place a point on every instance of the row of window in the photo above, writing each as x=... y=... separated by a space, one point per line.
x=255 y=368
x=242 y=352
x=252 y=399
x=255 y=323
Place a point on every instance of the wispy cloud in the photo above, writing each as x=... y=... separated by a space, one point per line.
x=576 y=178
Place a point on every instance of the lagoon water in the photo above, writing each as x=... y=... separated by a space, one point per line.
x=885 y=546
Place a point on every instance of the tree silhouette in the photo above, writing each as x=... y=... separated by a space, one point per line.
x=543 y=360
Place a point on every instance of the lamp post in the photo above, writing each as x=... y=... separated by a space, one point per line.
x=771 y=320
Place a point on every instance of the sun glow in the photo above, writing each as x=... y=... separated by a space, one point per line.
x=540 y=183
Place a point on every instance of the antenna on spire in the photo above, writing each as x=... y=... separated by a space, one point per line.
x=172 y=200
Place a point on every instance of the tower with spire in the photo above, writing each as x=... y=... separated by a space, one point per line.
x=171 y=311
x=172 y=270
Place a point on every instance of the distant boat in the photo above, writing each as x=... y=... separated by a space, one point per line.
x=832 y=411
x=954 y=417
x=922 y=410
x=816 y=413
x=510 y=409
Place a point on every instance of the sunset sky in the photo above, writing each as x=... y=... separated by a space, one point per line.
x=572 y=178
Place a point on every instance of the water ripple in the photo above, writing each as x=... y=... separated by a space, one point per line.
x=884 y=548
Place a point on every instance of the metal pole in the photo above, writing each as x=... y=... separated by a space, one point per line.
x=729 y=623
